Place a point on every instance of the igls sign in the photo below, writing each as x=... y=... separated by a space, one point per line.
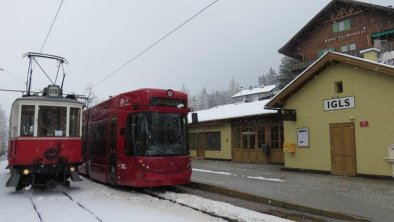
x=338 y=103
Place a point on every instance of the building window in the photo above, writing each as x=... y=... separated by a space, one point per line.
x=347 y=48
x=352 y=47
x=253 y=134
x=339 y=87
x=193 y=141
x=344 y=48
x=276 y=137
x=213 y=141
x=248 y=140
x=341 y=26
x=261 y=137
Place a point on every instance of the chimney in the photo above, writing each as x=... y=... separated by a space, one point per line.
x=371 y=54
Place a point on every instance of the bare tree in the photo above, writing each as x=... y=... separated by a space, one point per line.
x=205 y=100
x=3 y=131
x=92 y=98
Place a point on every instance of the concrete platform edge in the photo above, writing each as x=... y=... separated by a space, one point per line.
x=273 y=202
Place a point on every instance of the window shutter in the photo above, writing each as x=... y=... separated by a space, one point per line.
x=335 y=27
x=347 y=24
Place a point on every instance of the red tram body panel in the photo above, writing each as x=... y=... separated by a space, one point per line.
x=21 y=150
x=138 y=138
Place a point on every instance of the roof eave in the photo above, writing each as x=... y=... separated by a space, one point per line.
x=278 y=100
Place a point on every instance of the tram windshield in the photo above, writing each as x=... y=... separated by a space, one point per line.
x=52 y=121
x=156 y=134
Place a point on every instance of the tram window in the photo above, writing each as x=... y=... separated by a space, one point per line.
x=136 y=132
x=52 y=121
x=75 y=121
x=27 y=121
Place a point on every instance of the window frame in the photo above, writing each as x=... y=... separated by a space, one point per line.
x=212 y=143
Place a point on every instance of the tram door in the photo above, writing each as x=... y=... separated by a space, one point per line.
x=112 y=151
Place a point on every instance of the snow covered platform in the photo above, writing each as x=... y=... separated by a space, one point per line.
x=89 y=201
x=335 y=196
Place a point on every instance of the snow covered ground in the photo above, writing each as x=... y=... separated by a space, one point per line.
x=90 y=201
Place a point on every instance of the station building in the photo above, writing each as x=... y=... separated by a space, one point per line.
x=243 y=132
x=339 y=116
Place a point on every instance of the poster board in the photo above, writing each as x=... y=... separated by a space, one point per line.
x=303 y=137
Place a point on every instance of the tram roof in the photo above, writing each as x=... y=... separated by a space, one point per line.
x=48 y=99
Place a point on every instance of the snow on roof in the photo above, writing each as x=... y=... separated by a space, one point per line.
x=387 y=55
x=369 y=50
x=230 y=111
x=256 y=90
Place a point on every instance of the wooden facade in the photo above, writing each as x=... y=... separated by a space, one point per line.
x=342 y=26
x=256 y=139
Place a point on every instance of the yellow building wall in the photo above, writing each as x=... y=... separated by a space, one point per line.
x=374 y=96
x=193 y=153
x=225 y=129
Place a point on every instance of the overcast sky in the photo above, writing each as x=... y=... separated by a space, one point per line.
x=232 y=39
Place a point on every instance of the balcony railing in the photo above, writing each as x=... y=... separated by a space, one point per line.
x=299 y=66
x=302 y=65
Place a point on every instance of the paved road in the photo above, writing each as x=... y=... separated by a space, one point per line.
x=369 y=198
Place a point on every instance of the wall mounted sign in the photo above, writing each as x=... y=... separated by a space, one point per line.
x=364 y=124
x=338 y=103
x=345 y=36
x=303 y=137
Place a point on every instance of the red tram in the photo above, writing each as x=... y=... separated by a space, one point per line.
x=138 y=138
x=45 y=137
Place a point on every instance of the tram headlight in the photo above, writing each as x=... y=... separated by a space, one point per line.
x=72 y=169
x=25 y=172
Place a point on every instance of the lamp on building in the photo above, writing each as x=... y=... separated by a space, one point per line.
x=289 y=114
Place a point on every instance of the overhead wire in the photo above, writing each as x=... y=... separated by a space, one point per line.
x=42 y=47
x=152 y=45
x=47 y=35
x=50 y=29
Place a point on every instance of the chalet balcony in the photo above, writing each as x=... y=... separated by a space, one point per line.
x=302 y=65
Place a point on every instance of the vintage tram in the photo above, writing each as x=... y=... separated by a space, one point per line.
x=45 y=137
x=138 y=139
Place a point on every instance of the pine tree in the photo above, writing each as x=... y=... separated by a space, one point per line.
x=269 y=78
x=285 y=73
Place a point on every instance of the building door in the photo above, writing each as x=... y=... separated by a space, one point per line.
x=201 y=145
x=343 y=149
x=248 y=143
x=276 y=143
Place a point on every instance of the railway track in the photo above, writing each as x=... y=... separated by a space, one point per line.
x=171 y=193
x=159 y=193
x=46 y=205
x=83 y=207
